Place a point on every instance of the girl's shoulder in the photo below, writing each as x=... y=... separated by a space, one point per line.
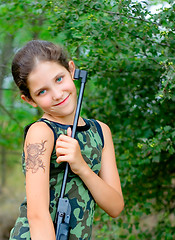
x=105 y=127
x=105 y=130
x=38 y=131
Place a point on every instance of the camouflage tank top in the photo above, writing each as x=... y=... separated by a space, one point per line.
x=90 y=138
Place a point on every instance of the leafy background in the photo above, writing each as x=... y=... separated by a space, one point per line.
x=128 y=50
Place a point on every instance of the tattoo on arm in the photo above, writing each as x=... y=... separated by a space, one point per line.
x=34 y=152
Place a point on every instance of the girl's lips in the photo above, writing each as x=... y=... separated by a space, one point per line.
x=62 y=101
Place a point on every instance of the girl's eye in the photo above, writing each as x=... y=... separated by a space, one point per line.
x=42 y=92
x=59 y=79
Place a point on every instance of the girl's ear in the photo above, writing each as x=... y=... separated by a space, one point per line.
x=72 y=68
x=29 y=101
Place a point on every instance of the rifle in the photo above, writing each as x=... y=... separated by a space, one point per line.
x=62 y=218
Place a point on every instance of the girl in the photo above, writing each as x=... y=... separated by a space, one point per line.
x=45 y=78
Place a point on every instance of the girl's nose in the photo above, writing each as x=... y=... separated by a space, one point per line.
x=56 y=94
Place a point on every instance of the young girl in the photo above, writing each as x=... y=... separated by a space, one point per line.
x=46 y=79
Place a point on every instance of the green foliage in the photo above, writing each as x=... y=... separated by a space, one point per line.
x=129 y=54
x=130 y=57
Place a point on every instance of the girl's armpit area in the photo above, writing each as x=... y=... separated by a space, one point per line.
x=34 y=160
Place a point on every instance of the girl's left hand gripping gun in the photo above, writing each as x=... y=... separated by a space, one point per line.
x=64 y=208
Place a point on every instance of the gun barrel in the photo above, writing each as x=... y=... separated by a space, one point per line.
x=64 y=208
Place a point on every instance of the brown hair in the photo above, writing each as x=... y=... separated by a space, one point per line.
x=27 y=58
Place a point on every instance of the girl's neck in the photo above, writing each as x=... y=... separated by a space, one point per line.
x=66 y=120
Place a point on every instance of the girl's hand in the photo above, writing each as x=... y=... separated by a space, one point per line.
x=68 y=150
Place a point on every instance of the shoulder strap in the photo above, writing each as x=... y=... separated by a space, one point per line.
x=52 y=127
x=99 y=129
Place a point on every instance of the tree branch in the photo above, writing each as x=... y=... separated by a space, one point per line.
x=10 y=115
x=161 y=44
x=132 y=17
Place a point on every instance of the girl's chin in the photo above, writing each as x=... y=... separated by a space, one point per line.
x=54 y=115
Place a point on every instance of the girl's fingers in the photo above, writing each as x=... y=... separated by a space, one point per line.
x=65 y=138
x=69 y=131
x=61 y=159
x=62 y=144
x=68 y=150
x=62 y=151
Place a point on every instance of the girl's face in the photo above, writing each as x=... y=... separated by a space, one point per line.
x=52 y=89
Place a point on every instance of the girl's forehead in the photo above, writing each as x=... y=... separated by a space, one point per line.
x=48 y=64
x=46 y=69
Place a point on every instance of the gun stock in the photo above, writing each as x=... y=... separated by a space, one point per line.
x=62 y=219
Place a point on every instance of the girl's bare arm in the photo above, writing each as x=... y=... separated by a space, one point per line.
x=105 y=188
x=38 y=148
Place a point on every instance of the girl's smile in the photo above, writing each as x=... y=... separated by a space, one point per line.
x=62 y=102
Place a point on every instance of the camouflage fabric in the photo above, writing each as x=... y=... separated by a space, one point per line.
x=90 y=139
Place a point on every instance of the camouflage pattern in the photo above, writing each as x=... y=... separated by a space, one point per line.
x=82 y=203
